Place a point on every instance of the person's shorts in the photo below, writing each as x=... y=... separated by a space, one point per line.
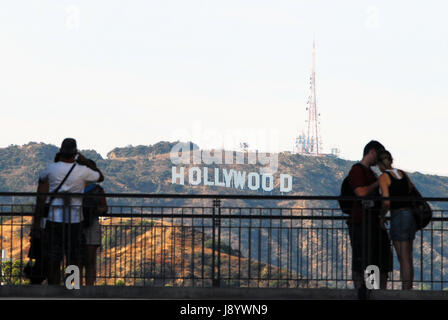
x=402 y=225
x=63 y=240
x=92 y=234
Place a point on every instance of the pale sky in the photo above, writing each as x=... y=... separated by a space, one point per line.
x=114 y=73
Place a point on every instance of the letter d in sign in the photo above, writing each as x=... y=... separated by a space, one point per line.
x=372 y=277
x=72 y=281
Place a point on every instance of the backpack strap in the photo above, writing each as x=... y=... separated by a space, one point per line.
x=390 y=175
x=60 y=185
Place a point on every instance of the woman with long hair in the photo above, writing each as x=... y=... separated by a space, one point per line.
x=395 y=183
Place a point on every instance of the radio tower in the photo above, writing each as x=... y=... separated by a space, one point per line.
x=310 y=143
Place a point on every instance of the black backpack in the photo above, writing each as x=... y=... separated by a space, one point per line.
x=421 y=209
x=347 y=191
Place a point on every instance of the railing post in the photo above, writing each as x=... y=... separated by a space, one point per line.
x=365 y=245
x=216 y=224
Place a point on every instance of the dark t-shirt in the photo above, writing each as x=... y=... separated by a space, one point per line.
x=361 y=176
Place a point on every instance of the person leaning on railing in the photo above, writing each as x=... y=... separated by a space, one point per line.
x=61 y=223
x=370 y=244
x=395 y=183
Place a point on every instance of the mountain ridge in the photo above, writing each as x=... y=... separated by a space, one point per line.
x=148 y=169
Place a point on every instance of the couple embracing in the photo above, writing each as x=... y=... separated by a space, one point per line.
x=368 y=236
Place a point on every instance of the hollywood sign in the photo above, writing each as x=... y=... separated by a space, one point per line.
x=230 y=178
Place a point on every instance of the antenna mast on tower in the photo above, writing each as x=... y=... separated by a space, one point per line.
x=310 y=143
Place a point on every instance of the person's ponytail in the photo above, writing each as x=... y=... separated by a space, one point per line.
x=386 y=158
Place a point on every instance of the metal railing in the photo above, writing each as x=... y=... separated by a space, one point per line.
x=224 y=243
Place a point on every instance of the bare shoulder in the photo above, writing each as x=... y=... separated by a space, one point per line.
x=384 y=178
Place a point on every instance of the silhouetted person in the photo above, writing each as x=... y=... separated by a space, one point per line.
x=94 y=207
x=370 y=244
x=36 y=271
x=395 y=183
x=62 y=233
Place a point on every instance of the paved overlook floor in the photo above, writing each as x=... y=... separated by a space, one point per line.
x=120 y=292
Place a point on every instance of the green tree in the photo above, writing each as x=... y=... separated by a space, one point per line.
x=11 y=273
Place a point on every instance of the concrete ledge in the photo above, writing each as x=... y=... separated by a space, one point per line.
x=121 y=292
x=408 y=295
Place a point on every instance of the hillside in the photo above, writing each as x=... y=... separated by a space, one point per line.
x=147 y=169
x=152 y=252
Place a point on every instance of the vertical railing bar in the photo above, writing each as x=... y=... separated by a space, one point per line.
x=134 y=241
x=192 y=266
x=270 y=248
x=314 y=256
x=21 y=246
x=239 y=248
x=421 y=259
x=218 y=202
x=321 y=263
x=162 y=253
x=173 y=228
x=259 y=248
x=153 y=253
x=229 y=274
x=279 y=247
x=308 y=256
x=432 y=256
x=2 y=218
x=213 y=243
x=144 y=237
x=299 y=249
x=346 y=238
x=329 y=260
x=250 y=249
x=182 y=246
x=290 y=249
x=441 y=242
x=202 y=249
x=333 y=249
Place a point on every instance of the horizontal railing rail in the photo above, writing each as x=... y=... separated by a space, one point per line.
x=223 y=196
